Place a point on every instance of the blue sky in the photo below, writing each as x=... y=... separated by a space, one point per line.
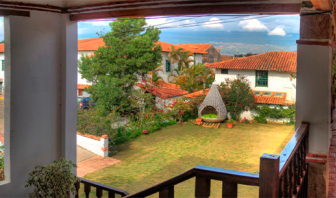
x=231 y=34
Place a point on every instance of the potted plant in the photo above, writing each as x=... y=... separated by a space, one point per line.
x=230 y=123
x=54 y=180
x=145 y=132
x=198 y=121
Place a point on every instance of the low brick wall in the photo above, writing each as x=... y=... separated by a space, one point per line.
x=95 y=144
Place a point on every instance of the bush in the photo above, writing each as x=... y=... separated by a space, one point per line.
x=54 y=180
x=278 y=112
x=237 y=96
x=177 y=108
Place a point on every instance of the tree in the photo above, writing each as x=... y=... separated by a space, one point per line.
x=237 y=96
x=174 y=75
x=185 y=59
x=205 y=75
x=154 y=77
x=129 y=52
x=174 y=55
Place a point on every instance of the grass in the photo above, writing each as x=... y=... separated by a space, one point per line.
x=209 y=116
x=154 y=158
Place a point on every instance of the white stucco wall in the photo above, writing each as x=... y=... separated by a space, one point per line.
x=99 y=147
x=40 y=70
x=277 y=81
x=313 y=94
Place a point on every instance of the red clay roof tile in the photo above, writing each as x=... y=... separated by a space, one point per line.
x=164 y=90
x=82 y=86
x=271 y=61
x=196 y=48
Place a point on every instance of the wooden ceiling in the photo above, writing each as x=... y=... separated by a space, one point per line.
x=86 y=10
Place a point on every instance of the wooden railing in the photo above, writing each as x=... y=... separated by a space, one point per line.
x=99 y=189
x=283 y=175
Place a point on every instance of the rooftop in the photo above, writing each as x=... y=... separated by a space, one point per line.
x=272 y=61
x=92 y=44
x=164 y=90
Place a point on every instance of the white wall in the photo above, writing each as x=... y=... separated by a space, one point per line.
x=314 y=95
x=277 y=81
x=40 y=68
x=81 y=80
x=99 y=147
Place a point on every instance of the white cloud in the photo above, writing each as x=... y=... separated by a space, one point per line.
x=101 y=23
x=82 y=31
x=253 y=25
x=279 y=31
x=154 y=22
x=214 y=23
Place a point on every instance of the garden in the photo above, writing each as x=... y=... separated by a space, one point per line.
x=154 y=158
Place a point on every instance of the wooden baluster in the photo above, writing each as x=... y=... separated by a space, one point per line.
x=99 y=192
x=229 y=189
x=87 y=190
x=290 y=178
x=297 y=165
x=167 y=192
x=285 y=185
x=202 y=187
x=77 y=186
x=302 y=161
x=282 y=188
x=269 y=181
x=111 y=194
x=295 y=175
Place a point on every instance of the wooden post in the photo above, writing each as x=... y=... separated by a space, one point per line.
x=229 y=189
x=202 y=187
x=167 y=192
x=269 y=176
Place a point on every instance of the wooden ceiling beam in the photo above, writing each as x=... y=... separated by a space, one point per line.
x=193 y=9
x=324 y=5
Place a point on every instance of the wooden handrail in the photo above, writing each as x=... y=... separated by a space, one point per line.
x=289 y=151
x=99 y=188
x=226 y=175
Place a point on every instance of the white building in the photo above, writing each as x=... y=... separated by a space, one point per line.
x=88 y=46
x=271 y=71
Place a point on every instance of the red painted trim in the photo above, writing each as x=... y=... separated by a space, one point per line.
x=299 y=42
x=317 y=155
x=316 y=161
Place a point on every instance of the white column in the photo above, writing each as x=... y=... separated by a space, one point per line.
x=40 y=95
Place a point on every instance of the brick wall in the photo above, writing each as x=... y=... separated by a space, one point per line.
x=332 y=167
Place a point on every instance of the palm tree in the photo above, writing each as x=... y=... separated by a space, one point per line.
x=188 y=80
x=154 y=77
x=174 y=75
x=185 y=59
x=204 y=74
x=174 y=55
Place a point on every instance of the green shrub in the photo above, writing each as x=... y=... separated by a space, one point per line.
x=54 y=180
x=278 y=112
x=237 y=96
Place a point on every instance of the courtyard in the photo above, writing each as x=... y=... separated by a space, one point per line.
x=154 y=158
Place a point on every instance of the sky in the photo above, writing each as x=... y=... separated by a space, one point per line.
x=231 y=34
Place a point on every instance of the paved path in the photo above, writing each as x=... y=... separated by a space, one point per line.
x=88 y=162
x=94 y=164
x=83 y=154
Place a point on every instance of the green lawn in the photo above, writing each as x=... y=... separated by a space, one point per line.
x=154 y=158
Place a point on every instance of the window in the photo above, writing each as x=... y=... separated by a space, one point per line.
x=3 y=65
x=167 y=66
x=224 y=71
x=261 y=78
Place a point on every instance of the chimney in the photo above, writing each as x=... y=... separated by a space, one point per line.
x=218 y=50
